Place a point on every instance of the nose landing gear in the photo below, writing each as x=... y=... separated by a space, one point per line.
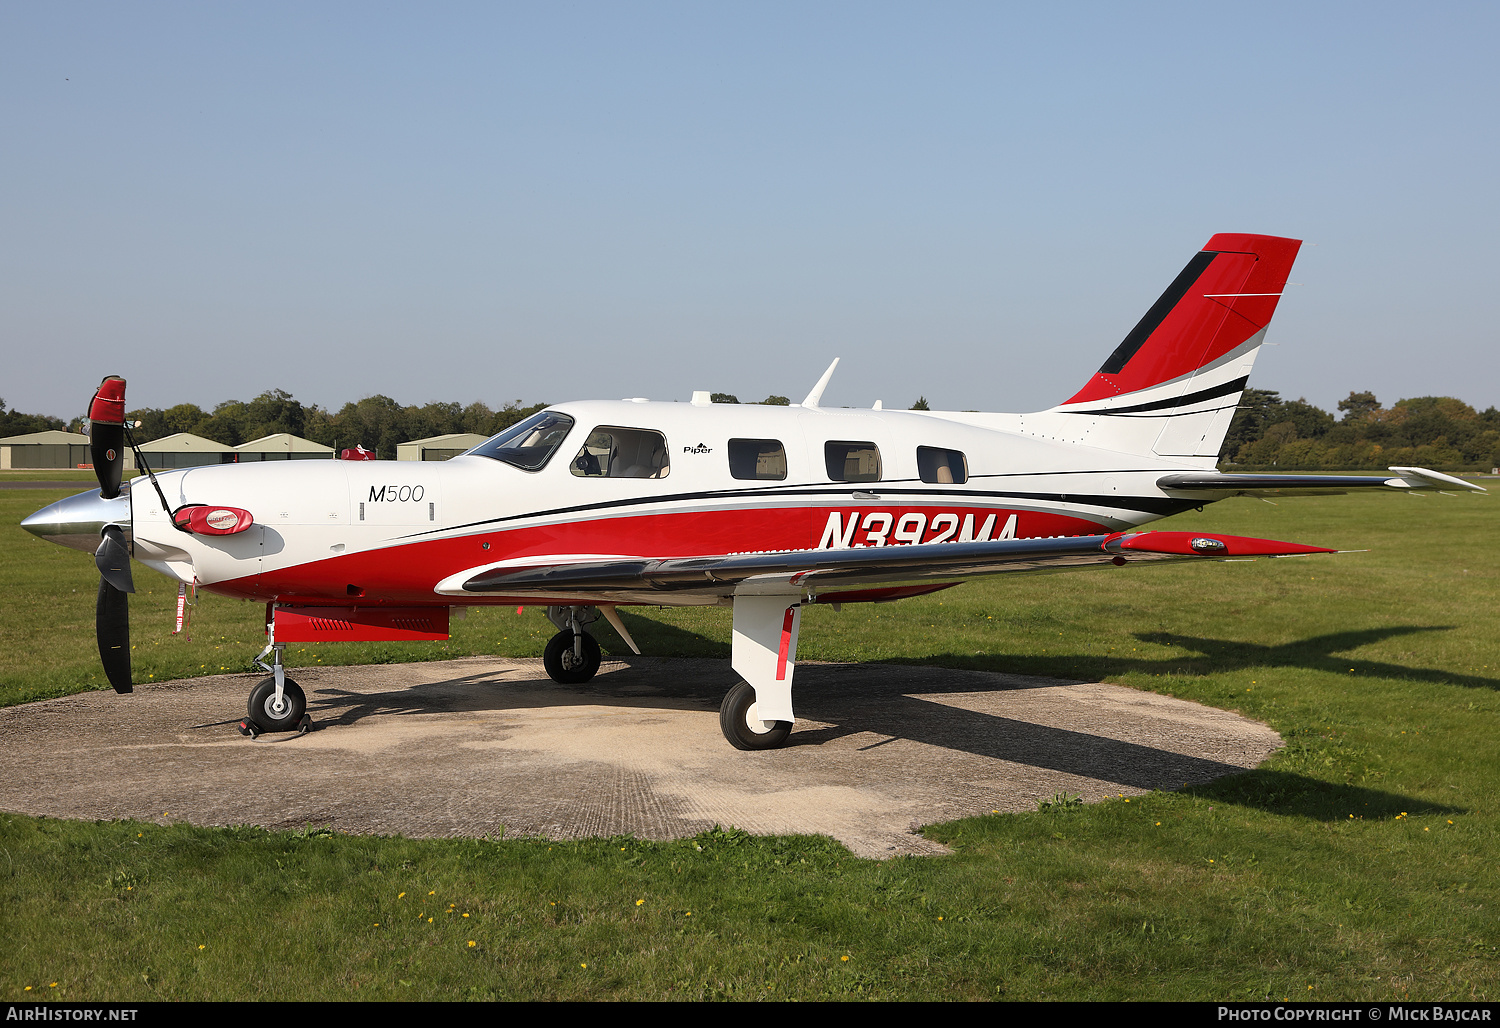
x=277 y=703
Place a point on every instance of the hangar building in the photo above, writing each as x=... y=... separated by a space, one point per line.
x=439 y=447
x=283 y=446
x=52 y=449
x=185 y=450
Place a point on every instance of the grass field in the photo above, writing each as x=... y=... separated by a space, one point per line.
x=1358 y=863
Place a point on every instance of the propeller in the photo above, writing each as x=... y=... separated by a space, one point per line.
x=112 y=613
x=112 y=625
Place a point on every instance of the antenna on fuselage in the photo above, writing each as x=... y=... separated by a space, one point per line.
x=816 y=396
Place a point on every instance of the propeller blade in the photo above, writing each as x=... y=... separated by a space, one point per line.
x=112 y=625
x=112 y=558
x=107 y=435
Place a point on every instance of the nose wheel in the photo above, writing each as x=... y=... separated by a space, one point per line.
x=271 y=714
x=571 y=658
x=277 y=704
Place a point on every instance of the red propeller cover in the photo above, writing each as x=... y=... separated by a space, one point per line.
x=108 y=405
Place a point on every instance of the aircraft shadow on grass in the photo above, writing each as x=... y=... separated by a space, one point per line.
x=1212 y=656
x=1319 y=654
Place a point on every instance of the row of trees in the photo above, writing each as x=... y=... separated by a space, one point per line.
x=1429 y=431
x=377 y=423
x=1426 y=431
x=15 y=423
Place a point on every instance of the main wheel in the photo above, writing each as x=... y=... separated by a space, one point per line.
x=270 y=718
x=564 y=666
x=741 y=726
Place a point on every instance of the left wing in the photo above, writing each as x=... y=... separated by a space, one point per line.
x=811 y=569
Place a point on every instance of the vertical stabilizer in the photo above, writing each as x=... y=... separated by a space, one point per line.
x=1171 y=387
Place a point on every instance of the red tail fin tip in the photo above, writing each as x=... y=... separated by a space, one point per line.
x=1215 y=307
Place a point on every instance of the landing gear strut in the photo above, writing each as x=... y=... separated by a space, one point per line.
x=757 y=713
x=277 y=703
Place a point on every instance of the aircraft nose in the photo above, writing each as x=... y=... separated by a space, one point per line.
x=78 y=520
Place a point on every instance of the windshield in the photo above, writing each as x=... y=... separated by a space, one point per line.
x=529 y=444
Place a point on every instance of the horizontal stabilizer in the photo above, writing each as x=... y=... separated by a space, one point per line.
x=1222 y=486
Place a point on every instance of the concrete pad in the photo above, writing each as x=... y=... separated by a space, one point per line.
x=490 y=746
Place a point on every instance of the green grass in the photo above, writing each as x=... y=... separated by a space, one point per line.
x=1356 y=864
x=56 y=475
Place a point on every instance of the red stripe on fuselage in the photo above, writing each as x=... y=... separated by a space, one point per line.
x=406 y=572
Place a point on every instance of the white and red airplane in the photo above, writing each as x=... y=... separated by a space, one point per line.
x=586 y=507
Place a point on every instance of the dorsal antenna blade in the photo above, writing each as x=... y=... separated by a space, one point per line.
x=816 y=396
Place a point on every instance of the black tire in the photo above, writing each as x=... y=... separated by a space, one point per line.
x=268 y=720
x=743 y=732
x=563 y=667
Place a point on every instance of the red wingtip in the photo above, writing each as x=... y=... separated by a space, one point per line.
x=1200 y=544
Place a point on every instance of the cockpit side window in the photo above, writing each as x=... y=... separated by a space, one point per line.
x=611 y=452
x=943 y=467
x=529 y=444
x=852 y=462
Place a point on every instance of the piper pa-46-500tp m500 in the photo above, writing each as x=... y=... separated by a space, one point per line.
x=586 y=507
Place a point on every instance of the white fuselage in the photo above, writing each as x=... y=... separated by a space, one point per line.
x=396 y=532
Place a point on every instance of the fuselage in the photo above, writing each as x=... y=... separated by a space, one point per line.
x=725 y=479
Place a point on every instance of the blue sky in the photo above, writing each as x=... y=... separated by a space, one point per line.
x=971 y=202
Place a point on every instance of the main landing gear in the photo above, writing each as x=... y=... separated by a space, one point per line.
x=277 y=703
x=757 y=712
x=740 y=721
x=572 y=656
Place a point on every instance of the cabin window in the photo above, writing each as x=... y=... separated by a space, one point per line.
x=757 y=460
x=852 y=462
x=942 y=467
x=622 y=453
x=529 y=444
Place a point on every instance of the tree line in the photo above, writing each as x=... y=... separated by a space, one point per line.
x=1267 y=431
x=1425 y=431
x=377 y=422
x=15 y=423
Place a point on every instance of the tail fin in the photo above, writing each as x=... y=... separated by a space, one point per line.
x=1171 y=387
